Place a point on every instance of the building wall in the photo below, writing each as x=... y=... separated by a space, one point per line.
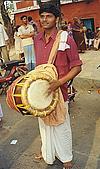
x=25 y=4
x=33 y=13
x=81 y=10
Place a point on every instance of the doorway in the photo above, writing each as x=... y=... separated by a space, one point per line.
x=89 y=23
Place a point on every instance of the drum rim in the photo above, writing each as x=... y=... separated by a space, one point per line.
x=12 y=88
x=38 y=112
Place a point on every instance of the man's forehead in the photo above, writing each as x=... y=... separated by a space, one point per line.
x=46 y=14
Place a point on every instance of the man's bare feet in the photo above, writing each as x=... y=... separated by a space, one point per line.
x=1 y=123
x=67 y=165
x=38 y=156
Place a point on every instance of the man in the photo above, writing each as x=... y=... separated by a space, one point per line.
x=31 y=22
x=90 y=38
x=97 y=39
x=3 y=44
x=56 y=140
x=26 y=33
x=78 y=35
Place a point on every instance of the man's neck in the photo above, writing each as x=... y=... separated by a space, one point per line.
x=47 y=33
x=24 y=25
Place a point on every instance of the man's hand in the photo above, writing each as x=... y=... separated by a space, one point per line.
x=55 y=84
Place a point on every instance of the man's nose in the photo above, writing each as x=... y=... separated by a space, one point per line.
x=45 y=18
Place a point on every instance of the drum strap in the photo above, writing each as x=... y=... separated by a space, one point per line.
x=58 y=116
x=54 y=49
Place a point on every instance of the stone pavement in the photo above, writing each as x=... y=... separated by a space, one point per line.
x=85 y=122
x=89 y=77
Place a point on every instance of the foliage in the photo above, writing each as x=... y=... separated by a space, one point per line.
x=6 y=20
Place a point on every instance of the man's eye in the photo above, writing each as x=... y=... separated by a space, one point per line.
x=41 y=17
x=46 y=17
x=49 y=16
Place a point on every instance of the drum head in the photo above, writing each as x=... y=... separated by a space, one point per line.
x=35 y=95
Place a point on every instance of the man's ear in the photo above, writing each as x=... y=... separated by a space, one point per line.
x=57 y=19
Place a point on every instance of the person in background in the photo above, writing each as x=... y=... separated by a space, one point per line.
x=90 y=38
x=61 y=23
x=84 y=31
x=69 y=28
x=31 y=22
x=18 y=44
x=26 y=33
x=57 y=138
x=78 y=35
x=4 y=42
x=97 y=39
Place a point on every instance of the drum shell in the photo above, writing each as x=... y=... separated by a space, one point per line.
x=14 y=89
x=17 y=95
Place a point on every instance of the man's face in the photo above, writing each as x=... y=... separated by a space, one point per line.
x=47 y=20
x=76 y=19
x=24 y=20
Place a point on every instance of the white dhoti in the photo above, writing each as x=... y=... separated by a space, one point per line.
x=56 y=141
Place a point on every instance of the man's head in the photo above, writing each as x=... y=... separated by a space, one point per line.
x=76 y=19
x=49 y=14
x=24 y=19
x=30 y=18
x=88 y=30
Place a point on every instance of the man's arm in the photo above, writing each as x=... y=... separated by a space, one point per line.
x=28 y=35
x=74 y=64
x=24 y=36
x=70 y=75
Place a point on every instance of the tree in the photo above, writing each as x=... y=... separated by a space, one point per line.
x=7 y=21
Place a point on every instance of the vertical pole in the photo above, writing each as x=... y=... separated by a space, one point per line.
x=39 y=2
x=58 y=3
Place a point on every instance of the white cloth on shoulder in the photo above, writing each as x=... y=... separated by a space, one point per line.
x=56 y=140
x=63 y=41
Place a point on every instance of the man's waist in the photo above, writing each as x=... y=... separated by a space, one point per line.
x=27 y=41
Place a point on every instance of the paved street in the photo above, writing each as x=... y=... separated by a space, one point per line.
x=85 y=122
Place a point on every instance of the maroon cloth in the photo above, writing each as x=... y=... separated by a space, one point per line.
x=79 y=36
x=65 y=60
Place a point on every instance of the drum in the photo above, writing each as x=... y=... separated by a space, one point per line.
x=28 y=94
x=13 y=98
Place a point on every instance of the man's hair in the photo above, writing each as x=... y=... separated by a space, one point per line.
x=30 y=18
x=50 y=8
x=23 y=16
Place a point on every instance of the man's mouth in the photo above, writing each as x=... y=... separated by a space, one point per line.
x=45 y=24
